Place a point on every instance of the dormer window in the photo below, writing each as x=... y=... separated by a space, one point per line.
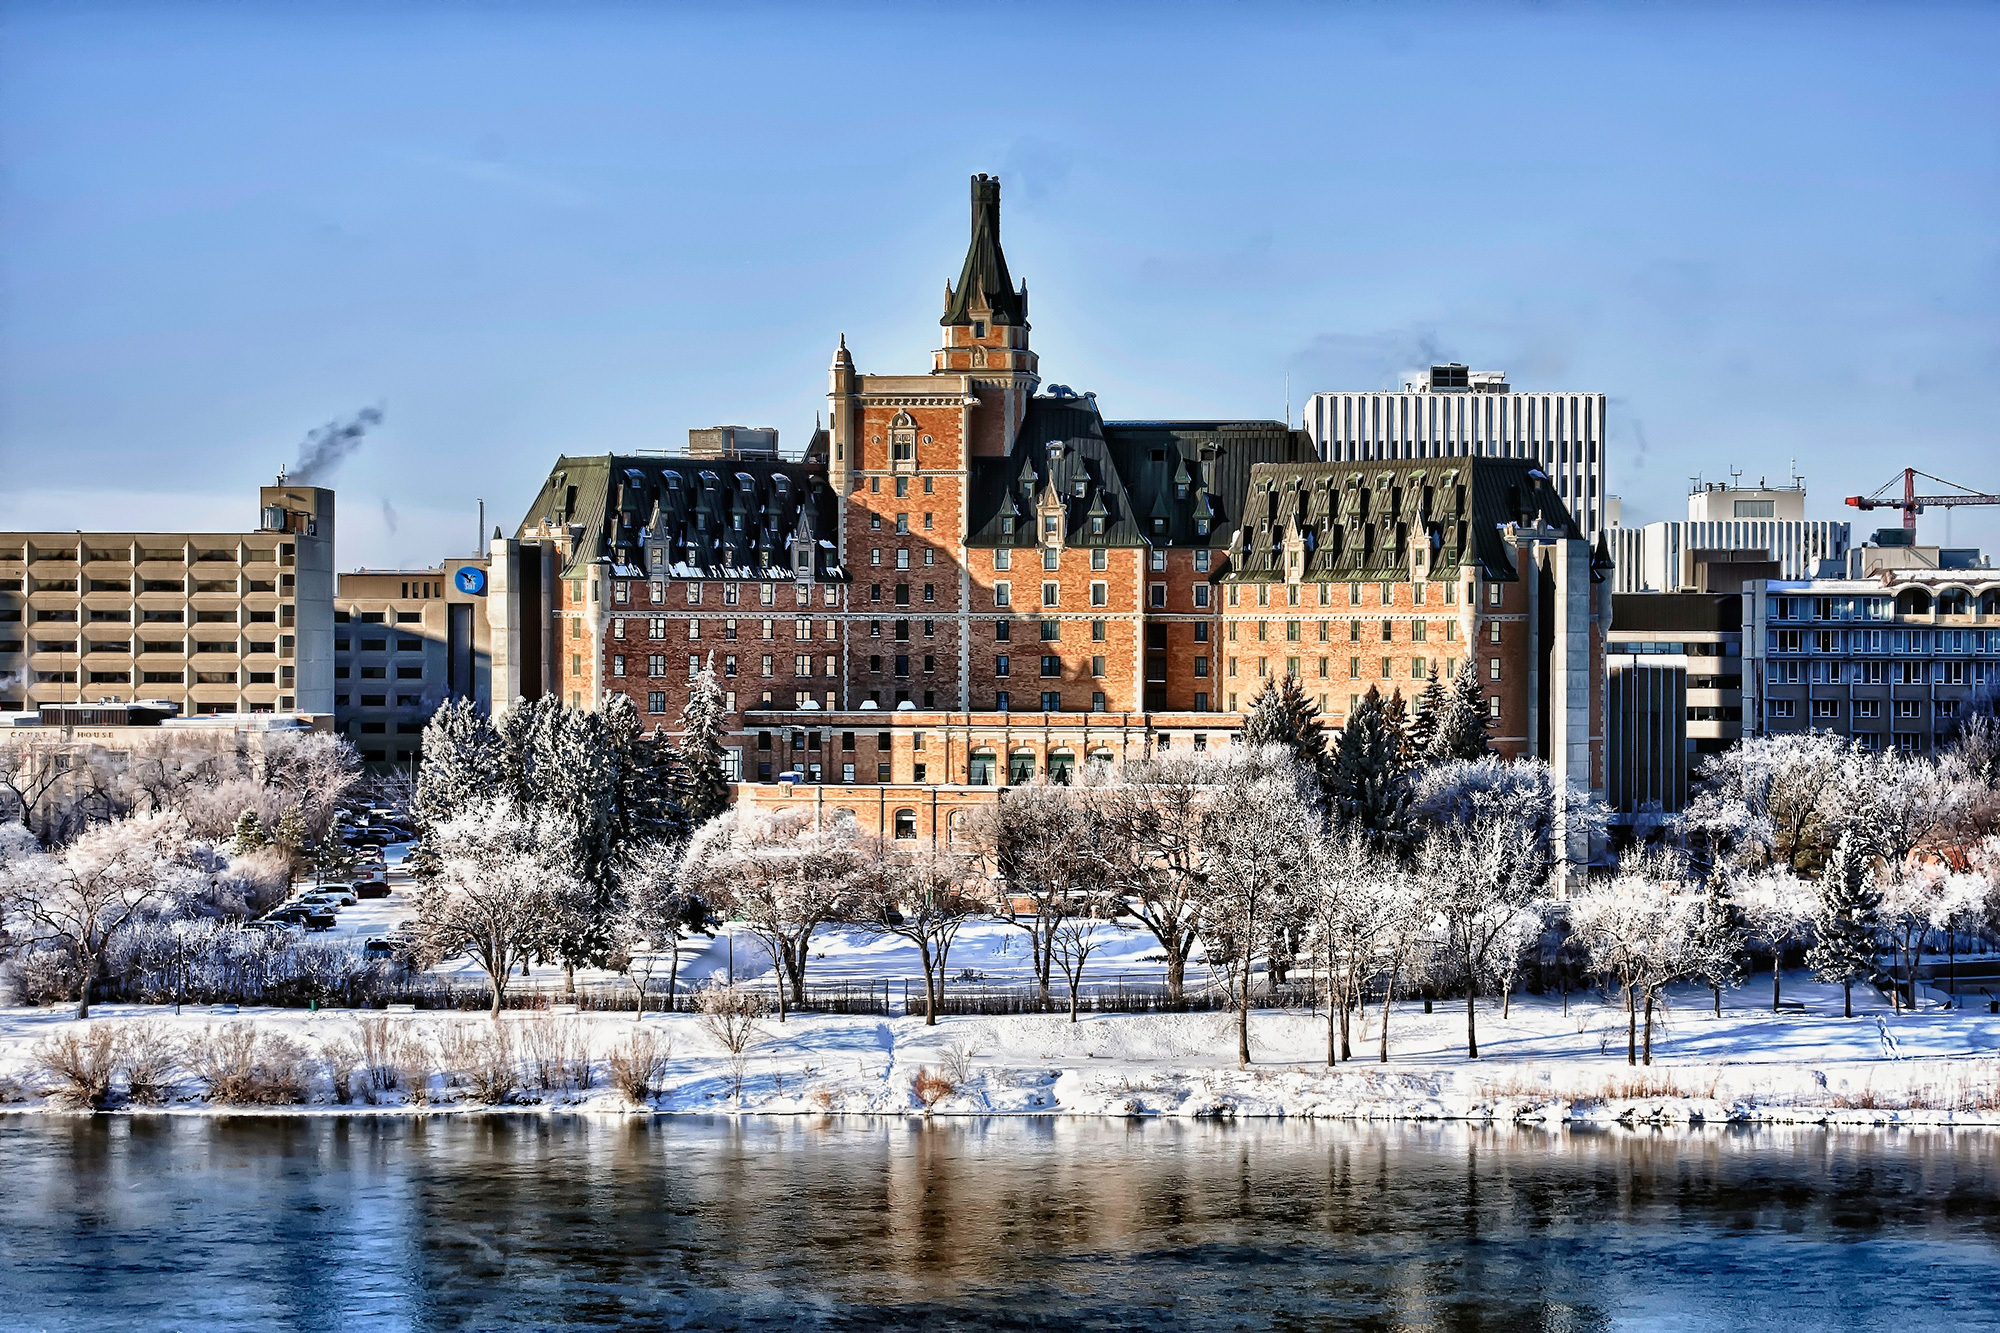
x=1051 y=525
x=1080 y=486
x=1007 y=524
x=1097 y=525
x=1180 y=490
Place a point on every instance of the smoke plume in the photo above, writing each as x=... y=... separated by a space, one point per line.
x=327 y=448
x=388 y=516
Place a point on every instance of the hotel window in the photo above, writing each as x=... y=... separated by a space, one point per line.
x=1051 y=594
x=1003 y=559
x=1100 y=594
x=1099 y=558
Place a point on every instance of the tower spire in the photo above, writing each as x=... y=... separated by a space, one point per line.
x=983 y=283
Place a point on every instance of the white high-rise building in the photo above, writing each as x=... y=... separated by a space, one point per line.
x=1730 y=530
x=1451 y=411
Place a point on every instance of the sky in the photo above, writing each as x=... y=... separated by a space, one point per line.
x=1767 y=233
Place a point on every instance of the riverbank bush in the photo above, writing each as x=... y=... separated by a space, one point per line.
x=240 y=1065
x=638 y=1066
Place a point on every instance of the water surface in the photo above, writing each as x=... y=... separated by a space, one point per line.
x=536 y=1222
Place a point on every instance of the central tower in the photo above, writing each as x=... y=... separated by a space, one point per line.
x=986 y=331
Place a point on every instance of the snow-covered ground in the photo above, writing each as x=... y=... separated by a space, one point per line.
x=1538 y=1062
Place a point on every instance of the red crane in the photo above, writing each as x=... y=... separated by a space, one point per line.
x=1913 y=504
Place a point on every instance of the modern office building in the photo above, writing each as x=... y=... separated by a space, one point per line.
x=971 y=578
x=405 y=641
x=211 y=623
x=1675 y=664
x=1732 y=533
x=1893 y=654
x=1451 y=411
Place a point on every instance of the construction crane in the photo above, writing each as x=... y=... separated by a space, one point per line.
x=1913 y=504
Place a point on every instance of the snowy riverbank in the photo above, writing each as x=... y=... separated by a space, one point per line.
x=1540 y=1065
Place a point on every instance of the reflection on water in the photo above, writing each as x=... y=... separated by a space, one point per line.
x=532 y=1222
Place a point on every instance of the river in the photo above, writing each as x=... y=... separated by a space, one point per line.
x=304 y=1222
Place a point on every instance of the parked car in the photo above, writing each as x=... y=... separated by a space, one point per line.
x=317 y=905
x=339 y=893
x=291 y=914
x=372 y=888
x=319 y=921
x=380 y=948
x=272 y=926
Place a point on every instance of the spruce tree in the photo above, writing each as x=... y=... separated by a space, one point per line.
x=1281 y=714
x=1424 y=725
x=649 y=807
x=1460 y=730
x=249 y=834
x=1369 y=782
x=1845 y=924
x=703 y=787
x=462 y=763
x=290 y=835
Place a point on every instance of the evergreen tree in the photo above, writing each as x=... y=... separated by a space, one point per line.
x=649 y=807
x=462 y=764
x=1369 y=783
x=1845 y=921
x=704 y=789
x=249 y=835
x=1281 y=714
x=1424 y=725
x=1460 y=729
x=290 y=836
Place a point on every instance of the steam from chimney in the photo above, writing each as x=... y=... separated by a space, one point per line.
x=388 y=516
x=325 y=449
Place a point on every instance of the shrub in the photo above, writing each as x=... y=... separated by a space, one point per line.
x=82 y=1061
x=557 y=1047
x=237 y=1065
x=343 y=1062
x=152 y=1060
x=481 y=1057
x=931 y=1088
x=47 y=973
x=638 y=1066
x=729 y=1014
x=956 y=1060
x=381 y=1054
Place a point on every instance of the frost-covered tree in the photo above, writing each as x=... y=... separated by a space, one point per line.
x=500 y=875
x=925 y=895
x=1281 y=714
x=1459 y=732
x=1156 y=858
x=1369 y=783
x=1046 y=843
x=1910 y=898
x=313 y=772
x=1777 y=909
x=81 y=897
x=1071 y=944
x=1640 y=928
x=1480 y=875
x=562 y=764
x=1780 y=800
x=1845 y=921
x=1257 y=831
x=1360 y=913
x=704 y=790
x=657 y=913
x=1719 y=937
x=462 y=764
x=291 y=835
x=783 y=874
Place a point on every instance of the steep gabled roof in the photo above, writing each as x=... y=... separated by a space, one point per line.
x=984 y=280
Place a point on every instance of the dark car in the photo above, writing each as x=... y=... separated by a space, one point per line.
x=379 y=948
x=371 y=888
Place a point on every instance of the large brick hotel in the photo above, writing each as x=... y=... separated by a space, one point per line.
x=971 y=577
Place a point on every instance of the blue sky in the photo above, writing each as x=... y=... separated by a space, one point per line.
x=1769 y=234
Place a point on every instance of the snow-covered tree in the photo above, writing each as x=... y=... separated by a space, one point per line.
x=1258 y=832
x=704 y=789
x=1281 y=714
x=1720 y=934
x=1640 y=927
x=500 y=874
x=462 y=765
x=1072 y=943
x=657 y=913
x=81 y=896
x=312 y=772
x=1780 y=800
x=1360 y=912
x=1777 y=909
x=1459 y=732
x=1480 y=874
x=1910 y=897
x=925 y=895
x=1960 y=905
x=1046 y=843
x=783 y=874
x=291 y=835
x=1156 y=857
x=1845 y=921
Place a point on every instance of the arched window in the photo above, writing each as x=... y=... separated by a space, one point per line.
x=979 y=771
x=1101 y=760
x=1989 y=602
x=903 y=438
x=1020 y=767
x=1954 y=602
x=954 y=828
x=1912 y=602
x=906 y=824
x=1062 y=764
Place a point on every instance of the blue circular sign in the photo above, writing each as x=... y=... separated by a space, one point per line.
x=470 y=581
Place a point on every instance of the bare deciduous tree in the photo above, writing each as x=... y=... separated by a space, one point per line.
x=923 y=895
x=494 y=894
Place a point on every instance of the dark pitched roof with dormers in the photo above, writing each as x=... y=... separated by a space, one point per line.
x=1359 y=521
x=1122 y=483
x=690 y=518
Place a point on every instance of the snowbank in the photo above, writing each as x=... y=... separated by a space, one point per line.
x=1539 y=1065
